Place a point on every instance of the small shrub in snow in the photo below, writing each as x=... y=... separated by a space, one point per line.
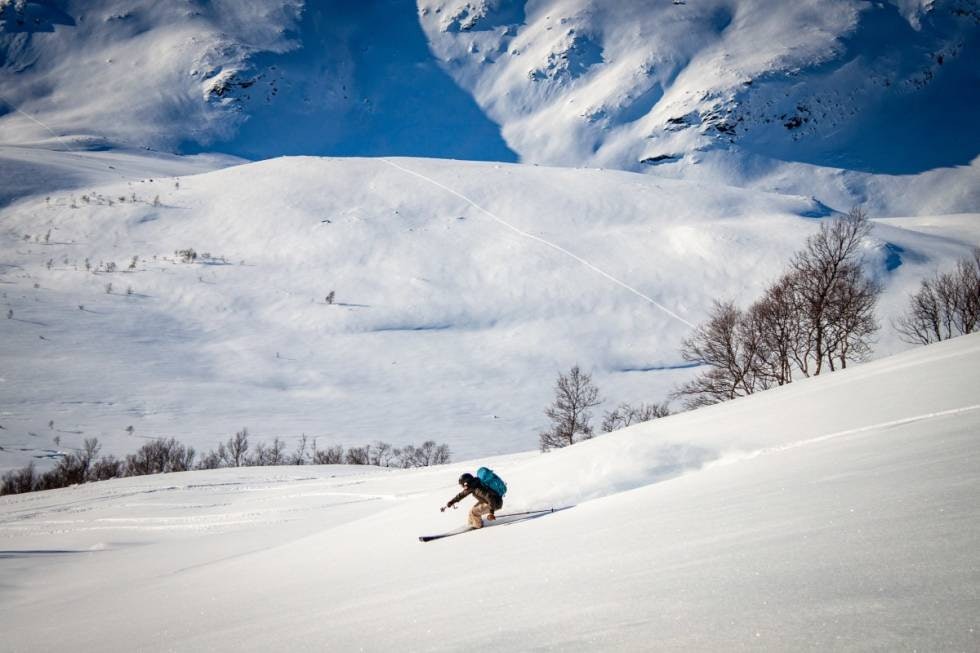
x=428 y=454
x=19 y=481
x=358 y=456
x=626 y=415
x=160 y=456
x=105 y=468
x=72 y=469
x=330 y=456
x=273 y=454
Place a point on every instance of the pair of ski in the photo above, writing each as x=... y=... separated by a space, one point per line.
x=505 y=518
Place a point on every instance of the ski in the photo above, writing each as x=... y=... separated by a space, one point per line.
x=506 y=518
x=458 y=531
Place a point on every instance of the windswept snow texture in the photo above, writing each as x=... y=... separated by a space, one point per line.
x=461 y=290
x=838 y=513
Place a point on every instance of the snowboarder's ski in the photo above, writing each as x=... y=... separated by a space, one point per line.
x=507 y=518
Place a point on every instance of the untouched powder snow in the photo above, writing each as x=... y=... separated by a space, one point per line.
x=461 y=291
x=838 y=513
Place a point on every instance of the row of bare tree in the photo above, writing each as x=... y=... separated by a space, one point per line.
x=168 y=455
x=946 y=305
x=571 y=412
x=818 y=316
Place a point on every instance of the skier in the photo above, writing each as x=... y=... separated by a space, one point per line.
x=487 y=501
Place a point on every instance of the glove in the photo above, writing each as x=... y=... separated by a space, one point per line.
x=491 y=517
x=443 y=508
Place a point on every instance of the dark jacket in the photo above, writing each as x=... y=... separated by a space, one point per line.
x=482 y=493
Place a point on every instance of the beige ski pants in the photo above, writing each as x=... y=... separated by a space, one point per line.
x=477 y=512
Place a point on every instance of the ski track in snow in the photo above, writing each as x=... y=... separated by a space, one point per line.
x=37 y=122
x=739 y=457
x=543 y=241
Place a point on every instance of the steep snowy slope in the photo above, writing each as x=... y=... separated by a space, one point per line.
x=461 y=290
x=840 y=513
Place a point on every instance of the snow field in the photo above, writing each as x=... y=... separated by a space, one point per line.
x=449 y=323
x=854 y=526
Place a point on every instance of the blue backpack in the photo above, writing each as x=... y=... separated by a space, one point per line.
x=492 y=481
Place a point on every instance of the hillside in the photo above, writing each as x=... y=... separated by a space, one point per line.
x=461 y=291
x=836 y=513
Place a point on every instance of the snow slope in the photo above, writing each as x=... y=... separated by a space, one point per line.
x=462 y=290
x=842 y=513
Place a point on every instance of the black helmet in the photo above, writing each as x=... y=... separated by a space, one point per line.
x=466 y=479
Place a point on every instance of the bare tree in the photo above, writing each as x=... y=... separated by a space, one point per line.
x=358 y=455
x=428 y=454
x=211 y=460
x=625 y=415
x=851 y=320
x=19 y=481
x=384 y=455
x=946 y=305
x=235 y=454
x=569 y=414
x=273 y=454
x=160 y=456
x=819 y=278
x=775 y=322
x=820 y=314
x=720 y=344
x=331 y=456
x=299 y=456
x=105 y=468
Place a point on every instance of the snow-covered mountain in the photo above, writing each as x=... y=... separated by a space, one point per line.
x=840 y=513
x=719 y=89
x=255 y=78
x=884 y=87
